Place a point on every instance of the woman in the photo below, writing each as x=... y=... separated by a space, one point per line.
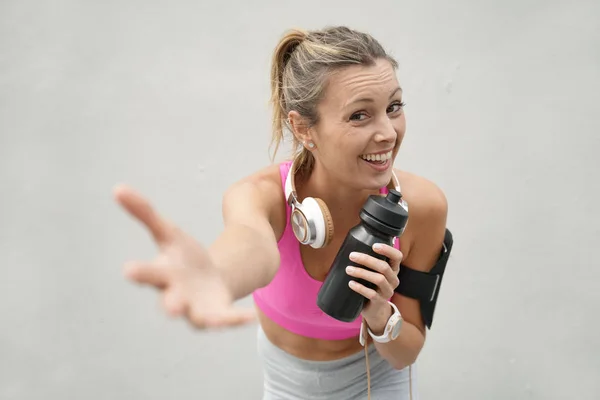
x=336 y=91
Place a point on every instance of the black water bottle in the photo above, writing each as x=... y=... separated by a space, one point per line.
x=382 y=219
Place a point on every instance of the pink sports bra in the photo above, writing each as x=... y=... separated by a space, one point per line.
x=290 y=299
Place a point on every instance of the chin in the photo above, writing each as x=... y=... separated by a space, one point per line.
x=377 y=176
x=372 y=182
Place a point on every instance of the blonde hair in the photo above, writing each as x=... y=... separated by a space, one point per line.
x=301 y=63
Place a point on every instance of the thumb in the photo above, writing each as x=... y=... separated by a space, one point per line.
x=147 y=273
x=140 y=209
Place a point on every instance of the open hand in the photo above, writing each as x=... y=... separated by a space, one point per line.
x=190 y=284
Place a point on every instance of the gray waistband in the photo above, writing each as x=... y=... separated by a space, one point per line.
x=289 y=377
x=333 y=365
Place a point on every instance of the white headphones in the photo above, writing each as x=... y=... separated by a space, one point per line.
x=311 y=221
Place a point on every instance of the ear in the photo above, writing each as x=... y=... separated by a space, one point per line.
x=299 y=127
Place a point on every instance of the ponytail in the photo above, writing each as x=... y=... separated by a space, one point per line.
x=286 y=46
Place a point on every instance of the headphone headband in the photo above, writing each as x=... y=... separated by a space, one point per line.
x=290 y=187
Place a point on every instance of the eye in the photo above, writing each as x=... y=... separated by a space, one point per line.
x=397 y=106
x=358 y=116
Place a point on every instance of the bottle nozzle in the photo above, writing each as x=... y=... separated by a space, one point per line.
x=394 y=196
x=388 y=214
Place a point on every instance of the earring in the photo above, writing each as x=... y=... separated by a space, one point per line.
x=311 y=145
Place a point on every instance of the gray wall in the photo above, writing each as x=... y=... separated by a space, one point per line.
x=171 y=97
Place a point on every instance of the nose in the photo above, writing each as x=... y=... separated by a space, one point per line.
x=386 y=131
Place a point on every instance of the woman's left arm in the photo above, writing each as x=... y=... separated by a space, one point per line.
x=427 y=215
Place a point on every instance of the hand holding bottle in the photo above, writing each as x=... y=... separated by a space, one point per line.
x=384 y=279
x=383 y=220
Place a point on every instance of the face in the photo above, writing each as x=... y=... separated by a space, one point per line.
x=361 y=125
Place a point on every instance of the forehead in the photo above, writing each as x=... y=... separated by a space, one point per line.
x=348 y=84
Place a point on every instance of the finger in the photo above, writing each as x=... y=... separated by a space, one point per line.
x=374 y=277
x=393 y=254
x=147 y=274
x=375 y=264
x=174 y=303
x=232 y=318
x=363 y=290
x=141 y=209
x=226 y=318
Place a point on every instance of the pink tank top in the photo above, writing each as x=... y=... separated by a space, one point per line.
x=290 y=299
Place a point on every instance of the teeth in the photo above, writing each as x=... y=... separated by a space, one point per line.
x=377 y=157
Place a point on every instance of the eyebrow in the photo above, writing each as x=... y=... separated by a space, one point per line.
x=370 y=100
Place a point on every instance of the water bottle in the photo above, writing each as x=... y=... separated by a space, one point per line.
x=382 y=220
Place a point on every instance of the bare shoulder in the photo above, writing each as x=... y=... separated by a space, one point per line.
x=259 y=193
x=266 y=180
x=428 y=211
x=423 y=195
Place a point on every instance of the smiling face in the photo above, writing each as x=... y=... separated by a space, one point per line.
x=361 y=125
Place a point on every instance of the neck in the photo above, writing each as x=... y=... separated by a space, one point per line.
x=343 y=201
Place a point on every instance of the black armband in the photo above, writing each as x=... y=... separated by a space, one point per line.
x=425 y=286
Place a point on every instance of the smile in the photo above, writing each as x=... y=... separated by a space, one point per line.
x=381 y=162
x=381 y=157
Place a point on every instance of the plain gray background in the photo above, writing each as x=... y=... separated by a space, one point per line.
x=171 y=97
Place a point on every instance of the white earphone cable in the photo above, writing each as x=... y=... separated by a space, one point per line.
x=410 y=390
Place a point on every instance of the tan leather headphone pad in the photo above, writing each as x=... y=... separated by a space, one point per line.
x=328 y=221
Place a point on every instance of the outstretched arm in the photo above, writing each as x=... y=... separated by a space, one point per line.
x=246 y=252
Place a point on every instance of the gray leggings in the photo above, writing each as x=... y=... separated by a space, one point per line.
x=287 y=377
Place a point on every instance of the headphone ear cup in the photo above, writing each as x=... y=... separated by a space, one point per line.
x=312 y=223
x=300 y=226
x=327 y=220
